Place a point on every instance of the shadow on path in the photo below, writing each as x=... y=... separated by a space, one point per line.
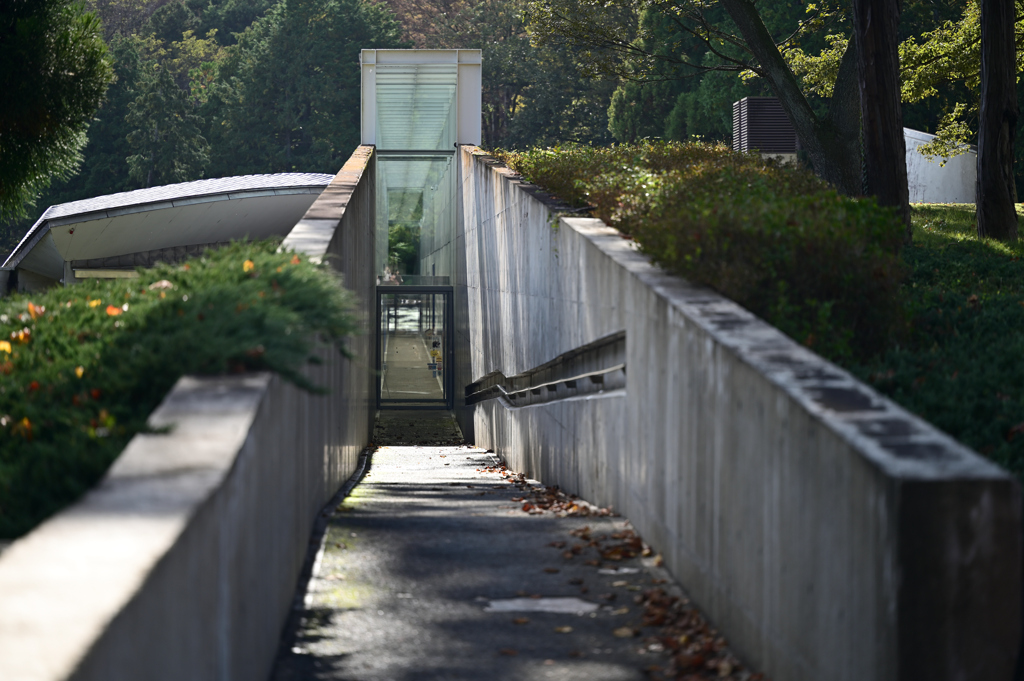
x=421 y=563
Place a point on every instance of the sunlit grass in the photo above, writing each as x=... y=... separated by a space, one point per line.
x=938 y=224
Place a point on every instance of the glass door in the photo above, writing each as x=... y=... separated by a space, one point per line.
x=414 y=347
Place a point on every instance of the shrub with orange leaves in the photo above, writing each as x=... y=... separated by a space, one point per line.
x=75 y=386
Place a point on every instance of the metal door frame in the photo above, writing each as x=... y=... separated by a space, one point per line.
x=447 y=319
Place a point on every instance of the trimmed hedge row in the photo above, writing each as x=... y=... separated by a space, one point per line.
x=81 y=368
x=822 y=267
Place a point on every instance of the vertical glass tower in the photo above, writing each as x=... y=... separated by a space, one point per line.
x=417 y=107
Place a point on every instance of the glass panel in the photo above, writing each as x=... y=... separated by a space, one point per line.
x=415 y=220
x=416 y=107
x=412 y=347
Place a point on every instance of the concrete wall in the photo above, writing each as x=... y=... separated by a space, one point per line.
x=182 y=563
x=827 y=532
x=930 y=182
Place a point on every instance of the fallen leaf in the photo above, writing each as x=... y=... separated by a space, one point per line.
x=624 y=632
x=24 y=428
x=511 y=652
x=685 y=662
x=563 y=630
x=551 y=570
x=521 y=620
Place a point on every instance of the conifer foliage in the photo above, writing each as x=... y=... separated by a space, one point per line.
x=54 y=70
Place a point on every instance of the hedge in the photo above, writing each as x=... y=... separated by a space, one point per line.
x=81 y=368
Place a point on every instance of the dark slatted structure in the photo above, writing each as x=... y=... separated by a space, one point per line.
x=761 y=124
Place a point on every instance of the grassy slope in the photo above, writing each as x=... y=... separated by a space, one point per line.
x=961 y=366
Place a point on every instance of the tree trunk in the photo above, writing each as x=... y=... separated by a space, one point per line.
x=844 y=119
x=826 y=144
x=996 y=192
x=876 y=29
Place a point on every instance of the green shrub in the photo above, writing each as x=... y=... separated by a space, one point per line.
x=81 y=368
x=822 y=267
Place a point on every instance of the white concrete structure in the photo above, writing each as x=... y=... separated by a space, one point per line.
x=122 y=231
x=410 y=96
x=930 y=181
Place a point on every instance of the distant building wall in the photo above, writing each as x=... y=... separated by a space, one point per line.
x=760 y=124
x=828 y=533
x=931 y=182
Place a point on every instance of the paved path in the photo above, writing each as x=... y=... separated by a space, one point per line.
x=426 y=562
x=407 y=376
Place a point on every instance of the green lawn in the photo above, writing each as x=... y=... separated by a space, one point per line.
x=961 y=363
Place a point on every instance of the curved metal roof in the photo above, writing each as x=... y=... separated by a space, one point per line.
x=167 y=196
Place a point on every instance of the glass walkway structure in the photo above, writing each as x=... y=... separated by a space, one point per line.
x=418 y=106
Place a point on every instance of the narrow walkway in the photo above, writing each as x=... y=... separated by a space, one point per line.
x=406 y=375
x=432 y=569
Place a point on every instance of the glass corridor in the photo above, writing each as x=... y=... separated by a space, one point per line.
x=416 y=112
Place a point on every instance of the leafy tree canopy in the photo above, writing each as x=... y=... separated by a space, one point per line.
x=942 y=61
x=54 y=71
